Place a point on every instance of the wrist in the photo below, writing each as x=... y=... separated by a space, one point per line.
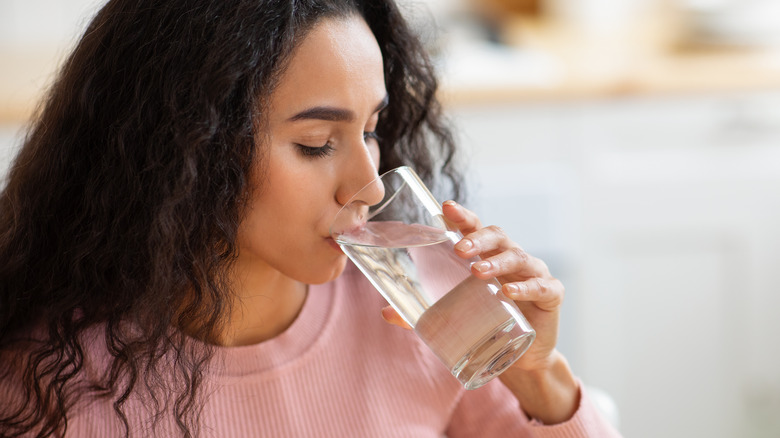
x=550 y=394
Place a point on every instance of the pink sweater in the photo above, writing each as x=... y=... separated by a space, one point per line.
x=341 y=371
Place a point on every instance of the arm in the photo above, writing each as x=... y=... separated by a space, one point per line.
x=550 y=395
x=493 y=411
x=541 y=380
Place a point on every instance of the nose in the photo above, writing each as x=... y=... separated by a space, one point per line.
x=360 y=179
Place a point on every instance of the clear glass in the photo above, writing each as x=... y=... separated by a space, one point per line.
x=404 y=246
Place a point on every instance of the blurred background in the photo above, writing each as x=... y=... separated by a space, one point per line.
x=634 y=145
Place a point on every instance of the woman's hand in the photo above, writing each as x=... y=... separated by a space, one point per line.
x=525 y=279
x=541 y=378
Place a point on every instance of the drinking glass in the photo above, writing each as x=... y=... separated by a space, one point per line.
x=404 y=246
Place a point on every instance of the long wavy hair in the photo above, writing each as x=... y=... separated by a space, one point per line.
x=120 y=212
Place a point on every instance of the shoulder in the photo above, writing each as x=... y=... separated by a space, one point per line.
x=28 y=371
x=12 y=364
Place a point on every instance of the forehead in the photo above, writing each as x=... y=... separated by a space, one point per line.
x=338 y=63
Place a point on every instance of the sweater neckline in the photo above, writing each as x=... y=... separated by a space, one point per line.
x=287 y=348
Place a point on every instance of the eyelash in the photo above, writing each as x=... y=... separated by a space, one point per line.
x=327 y=149
x=316 y=152
x=370 y=135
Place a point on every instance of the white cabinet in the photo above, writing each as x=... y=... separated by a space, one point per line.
x=661 y=216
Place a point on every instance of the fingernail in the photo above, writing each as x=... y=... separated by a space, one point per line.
x=451 y=203
x=464 y=245
x=385 y=312
x=482 y=266
x=508 y=290
x=513 y=289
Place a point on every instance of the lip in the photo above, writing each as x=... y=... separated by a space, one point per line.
x=334 y=245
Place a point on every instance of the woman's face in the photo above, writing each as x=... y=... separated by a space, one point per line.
x=319 y=151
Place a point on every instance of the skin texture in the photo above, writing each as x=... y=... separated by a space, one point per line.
x=328 y=101
x=541 y=379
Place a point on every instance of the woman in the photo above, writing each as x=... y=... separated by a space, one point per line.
x=166 y=267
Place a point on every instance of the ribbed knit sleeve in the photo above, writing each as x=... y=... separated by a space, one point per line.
x=586 y=422
x=492 y=411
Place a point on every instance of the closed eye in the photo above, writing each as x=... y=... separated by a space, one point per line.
x=316 y=151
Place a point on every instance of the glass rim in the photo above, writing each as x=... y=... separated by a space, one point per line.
x=409 y=179
x=386 y=200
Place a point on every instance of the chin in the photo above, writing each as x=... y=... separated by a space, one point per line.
x=326 y=273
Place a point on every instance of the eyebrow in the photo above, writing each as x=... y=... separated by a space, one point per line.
x=332 y=114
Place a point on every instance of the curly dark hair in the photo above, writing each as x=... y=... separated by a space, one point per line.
x=121 y=210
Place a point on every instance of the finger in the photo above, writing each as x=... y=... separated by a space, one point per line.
x=512 y=262
x=465 y=220
x=390 y=315
x=485 y=241
x=545 y=293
